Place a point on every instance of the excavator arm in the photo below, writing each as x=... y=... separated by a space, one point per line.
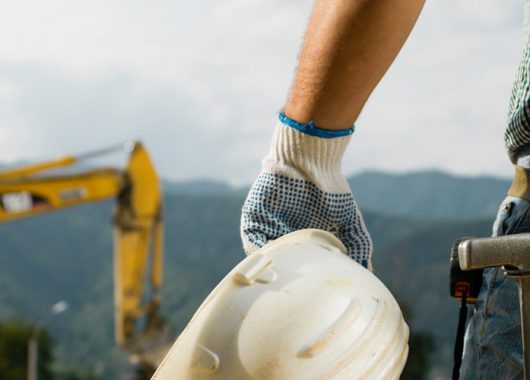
x=137 y=219
x=138 y=231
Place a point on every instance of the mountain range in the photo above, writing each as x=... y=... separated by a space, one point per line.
x=67 y=256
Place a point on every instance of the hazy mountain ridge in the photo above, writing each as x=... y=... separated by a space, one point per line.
x=428 y=194
x=68 y=256
x=203 y=186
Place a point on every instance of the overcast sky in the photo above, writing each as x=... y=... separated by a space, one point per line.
x=200 y=83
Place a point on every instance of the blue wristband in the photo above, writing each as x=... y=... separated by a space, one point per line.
x=311 y=129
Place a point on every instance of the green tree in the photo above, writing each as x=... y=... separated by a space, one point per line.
x=14 y=337
x=421 y=347
x=419 y=363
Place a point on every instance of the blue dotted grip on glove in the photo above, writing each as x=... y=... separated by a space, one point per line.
x=277 y=205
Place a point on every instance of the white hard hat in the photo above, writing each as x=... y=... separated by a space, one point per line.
x=298 y=308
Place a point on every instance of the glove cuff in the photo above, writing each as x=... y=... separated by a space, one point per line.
x=304 y=152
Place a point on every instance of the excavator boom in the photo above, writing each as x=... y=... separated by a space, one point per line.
x=26 y=196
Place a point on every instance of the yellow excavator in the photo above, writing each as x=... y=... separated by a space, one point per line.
x=138 y=232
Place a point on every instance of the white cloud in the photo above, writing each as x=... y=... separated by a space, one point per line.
x=444 y=102
x=201 y=82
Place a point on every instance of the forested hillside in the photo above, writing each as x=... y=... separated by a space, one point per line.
x=68 y=256
x=429 y=194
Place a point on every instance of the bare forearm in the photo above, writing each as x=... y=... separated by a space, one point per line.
x=348 y=47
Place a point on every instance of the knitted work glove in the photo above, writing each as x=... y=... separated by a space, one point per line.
x=300 y=187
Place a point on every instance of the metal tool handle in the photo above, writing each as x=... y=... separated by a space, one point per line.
x=491 y=252
x=512 y=251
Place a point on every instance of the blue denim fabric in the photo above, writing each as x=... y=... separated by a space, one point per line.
x=492 y=348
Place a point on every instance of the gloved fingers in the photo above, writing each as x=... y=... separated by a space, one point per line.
x=277 y=205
